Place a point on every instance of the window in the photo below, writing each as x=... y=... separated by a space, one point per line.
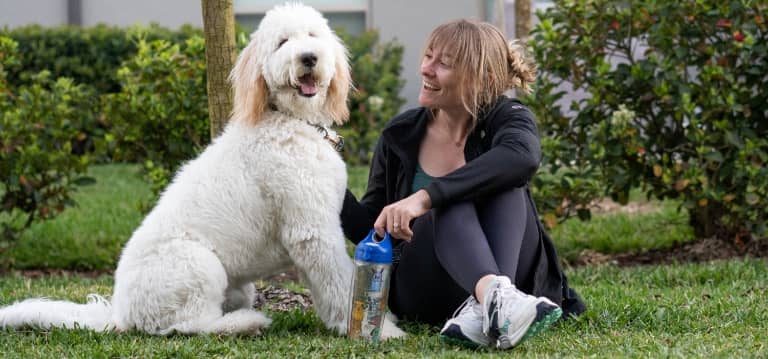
x=347 y=14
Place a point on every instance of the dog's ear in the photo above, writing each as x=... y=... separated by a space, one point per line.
x=251 y=92
x=338 y=90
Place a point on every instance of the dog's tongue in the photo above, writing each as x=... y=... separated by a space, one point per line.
x=307 y=84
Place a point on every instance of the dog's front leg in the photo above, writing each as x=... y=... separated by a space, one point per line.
x=323 y=261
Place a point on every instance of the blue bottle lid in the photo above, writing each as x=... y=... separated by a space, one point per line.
x=373 y=249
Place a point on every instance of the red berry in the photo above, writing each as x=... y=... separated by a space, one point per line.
x=738 y=36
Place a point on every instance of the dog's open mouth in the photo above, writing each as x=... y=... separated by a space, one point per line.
x=307 y=86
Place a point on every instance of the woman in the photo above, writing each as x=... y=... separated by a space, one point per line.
x=449 y=181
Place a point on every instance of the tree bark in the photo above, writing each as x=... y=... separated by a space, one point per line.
x=522 y=18
x=220 y=55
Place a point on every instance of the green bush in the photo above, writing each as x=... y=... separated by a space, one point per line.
x=39 y=123
x=376 y=99
x=160 y=116
x=90 y=56
x=674 y=103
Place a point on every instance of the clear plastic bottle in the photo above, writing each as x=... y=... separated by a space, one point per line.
x=370 y=287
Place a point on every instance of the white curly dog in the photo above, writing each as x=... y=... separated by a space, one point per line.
x=265 y=195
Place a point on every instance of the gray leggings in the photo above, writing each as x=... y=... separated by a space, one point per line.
x=453 y=247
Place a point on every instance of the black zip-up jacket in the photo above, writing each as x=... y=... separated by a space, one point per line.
x=502 y=152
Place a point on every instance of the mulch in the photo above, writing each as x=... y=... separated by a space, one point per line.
x=276 y=299
x=53 y=272
x=696 y=251
x=271 y=296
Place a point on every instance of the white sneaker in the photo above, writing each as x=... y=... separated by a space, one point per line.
x=512 y=316
x=466 y=327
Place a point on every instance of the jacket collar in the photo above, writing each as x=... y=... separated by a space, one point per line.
x=404 y=134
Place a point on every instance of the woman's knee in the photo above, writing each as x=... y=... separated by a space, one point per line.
x=461 y=211
x=511 y=200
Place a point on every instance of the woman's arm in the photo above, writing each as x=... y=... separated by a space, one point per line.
x=357 y=218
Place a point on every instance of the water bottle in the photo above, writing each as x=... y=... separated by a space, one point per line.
x=370 y=286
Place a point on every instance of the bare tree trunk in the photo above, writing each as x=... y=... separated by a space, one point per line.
x=220 y=54
x=522 y=18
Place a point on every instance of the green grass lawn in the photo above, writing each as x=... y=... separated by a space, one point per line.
x=694 y=310
x=90 y=235
x=661 y=227
x=713 y=309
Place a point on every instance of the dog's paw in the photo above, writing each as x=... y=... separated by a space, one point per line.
x=390 y=329
x=339 y=328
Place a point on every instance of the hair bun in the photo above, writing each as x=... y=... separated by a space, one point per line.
x=522 y=70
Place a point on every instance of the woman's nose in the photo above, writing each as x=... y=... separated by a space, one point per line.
x=426 y=68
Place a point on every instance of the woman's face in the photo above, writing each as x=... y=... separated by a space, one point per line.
x=440 y=81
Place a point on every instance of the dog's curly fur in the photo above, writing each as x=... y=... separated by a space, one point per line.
x=265 y=195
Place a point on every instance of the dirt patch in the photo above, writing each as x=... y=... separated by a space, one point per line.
x=606 y=206
x=700 y=250
x=48 y=272
x=270 y=297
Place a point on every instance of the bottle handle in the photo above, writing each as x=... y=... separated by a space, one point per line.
x=378 y=239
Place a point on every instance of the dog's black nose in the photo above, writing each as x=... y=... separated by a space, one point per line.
x=308 y=59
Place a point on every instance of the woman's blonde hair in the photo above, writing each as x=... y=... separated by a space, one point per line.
x=486 y=63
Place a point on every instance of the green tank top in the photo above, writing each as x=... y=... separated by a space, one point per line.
x=421 y=179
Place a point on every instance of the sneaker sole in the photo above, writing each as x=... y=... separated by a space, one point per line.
x=546 y=315
x=454 y=335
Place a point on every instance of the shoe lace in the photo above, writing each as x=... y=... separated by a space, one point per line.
x=499 y=303
x=464 y=307
x=501 y=295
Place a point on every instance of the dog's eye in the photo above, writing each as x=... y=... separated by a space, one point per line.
x=282 y=41
x=312 y=34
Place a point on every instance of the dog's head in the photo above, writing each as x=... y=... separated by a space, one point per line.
x=295 y=63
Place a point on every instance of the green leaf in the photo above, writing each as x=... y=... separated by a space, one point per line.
x=732 y=138
x=715 y=156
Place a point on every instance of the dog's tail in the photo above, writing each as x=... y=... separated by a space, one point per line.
x=44 y=313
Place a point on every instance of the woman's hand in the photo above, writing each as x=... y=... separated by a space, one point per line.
x=396 y=217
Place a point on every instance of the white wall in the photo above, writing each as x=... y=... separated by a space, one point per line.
x=168 y=13
x=410 y=22
x=15 y=13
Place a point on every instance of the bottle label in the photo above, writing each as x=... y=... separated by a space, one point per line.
x=369 y=301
